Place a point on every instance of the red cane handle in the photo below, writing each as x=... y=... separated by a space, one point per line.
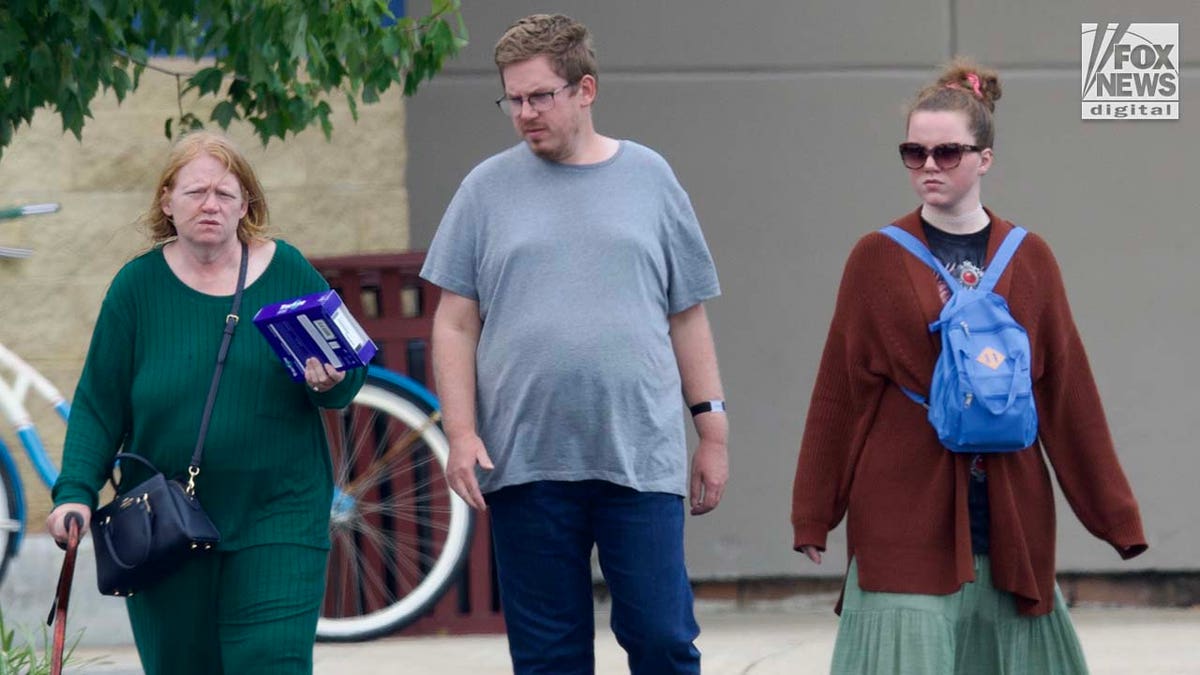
x=74 y=523
x=73 y=518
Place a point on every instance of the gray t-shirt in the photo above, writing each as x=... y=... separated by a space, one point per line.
x=576 y=269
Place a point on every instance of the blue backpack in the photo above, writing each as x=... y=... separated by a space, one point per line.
x=981 y=398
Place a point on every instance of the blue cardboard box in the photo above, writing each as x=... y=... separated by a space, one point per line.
x=314 y=325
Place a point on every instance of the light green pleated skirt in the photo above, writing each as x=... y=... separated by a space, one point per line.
x=975 y=631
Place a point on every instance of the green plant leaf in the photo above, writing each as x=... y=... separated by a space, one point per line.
x=207 y=81
x=282 y=60
x=224 y=113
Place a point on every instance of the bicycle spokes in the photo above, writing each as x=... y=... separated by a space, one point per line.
x=397 y=531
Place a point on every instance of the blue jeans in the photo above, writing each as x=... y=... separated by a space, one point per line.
x=543 y=534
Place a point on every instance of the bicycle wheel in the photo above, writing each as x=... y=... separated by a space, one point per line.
x=399 y=534
x=9 y=523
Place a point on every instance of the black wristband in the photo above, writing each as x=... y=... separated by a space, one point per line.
x=707 y=406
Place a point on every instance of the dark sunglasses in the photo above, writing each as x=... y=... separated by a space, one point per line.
x=945 y=155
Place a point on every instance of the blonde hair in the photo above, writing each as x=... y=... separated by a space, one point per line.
x=965 y=87
x=253 y=225
x=566 y=41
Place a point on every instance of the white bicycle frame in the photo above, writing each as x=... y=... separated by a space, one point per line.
x=17 y=380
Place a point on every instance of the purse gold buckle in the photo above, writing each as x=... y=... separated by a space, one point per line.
x=193 y=471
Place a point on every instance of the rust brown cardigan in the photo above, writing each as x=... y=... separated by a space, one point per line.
x=868 y=450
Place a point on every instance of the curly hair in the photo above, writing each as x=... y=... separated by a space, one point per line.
x=964 y=87
x=252 y=226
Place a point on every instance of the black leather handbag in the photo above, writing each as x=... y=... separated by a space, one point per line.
x=148 y=530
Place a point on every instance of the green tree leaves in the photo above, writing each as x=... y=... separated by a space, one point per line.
x=273 y=63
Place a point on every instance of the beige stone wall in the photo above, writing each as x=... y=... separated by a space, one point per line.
x=329 y=198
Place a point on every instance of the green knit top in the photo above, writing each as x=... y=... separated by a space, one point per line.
x=265 y=476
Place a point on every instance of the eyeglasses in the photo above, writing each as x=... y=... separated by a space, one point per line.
x=540 y=101
x=945 y=155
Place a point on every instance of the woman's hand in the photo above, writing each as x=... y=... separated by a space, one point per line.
x=56 y=522
x=321 y=377
x=813 y=553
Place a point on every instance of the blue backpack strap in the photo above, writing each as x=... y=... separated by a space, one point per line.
x=922 y=252
x=1003 y=255
x=917 y=398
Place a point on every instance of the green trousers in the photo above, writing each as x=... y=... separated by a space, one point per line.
x=974 y=631
x=247 y=612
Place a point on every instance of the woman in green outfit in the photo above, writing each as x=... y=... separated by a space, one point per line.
x=265 y=477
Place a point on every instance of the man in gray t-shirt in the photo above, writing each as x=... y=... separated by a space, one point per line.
x=570 y=332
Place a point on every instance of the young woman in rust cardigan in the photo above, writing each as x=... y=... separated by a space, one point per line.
x=952 y=555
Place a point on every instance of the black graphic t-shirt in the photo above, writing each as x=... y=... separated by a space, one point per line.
x=964 y=256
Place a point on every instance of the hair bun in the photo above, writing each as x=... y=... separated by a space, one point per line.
x=984 y=83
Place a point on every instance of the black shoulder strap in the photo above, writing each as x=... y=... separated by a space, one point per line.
x=231 y=321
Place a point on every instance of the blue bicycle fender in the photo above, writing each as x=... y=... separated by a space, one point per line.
x=406 y=383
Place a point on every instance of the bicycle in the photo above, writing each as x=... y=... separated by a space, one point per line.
x=399 y=535
x=18 y=381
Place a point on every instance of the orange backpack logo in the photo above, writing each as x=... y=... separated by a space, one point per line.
x=990 y=358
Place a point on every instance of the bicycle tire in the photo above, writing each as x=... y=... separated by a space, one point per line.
x=8 y=509
x=399 y=534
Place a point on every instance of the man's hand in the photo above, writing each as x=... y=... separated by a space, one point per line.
x=456 y=327
x=465 y=453
x=710 y=472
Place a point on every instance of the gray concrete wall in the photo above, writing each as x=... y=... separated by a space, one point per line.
x=781 y=119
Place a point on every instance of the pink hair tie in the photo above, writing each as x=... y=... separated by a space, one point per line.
x=974 y=80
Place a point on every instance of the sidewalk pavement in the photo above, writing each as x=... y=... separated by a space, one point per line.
x=792 y=636
x=769 y=641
